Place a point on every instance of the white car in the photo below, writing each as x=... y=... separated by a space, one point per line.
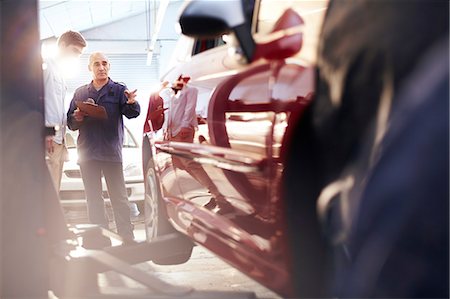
x=72 y=196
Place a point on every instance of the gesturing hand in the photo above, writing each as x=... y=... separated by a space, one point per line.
x=131 y=96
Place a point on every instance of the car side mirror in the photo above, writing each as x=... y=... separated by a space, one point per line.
x=212 y=18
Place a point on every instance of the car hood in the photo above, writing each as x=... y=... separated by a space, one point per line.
x=131 y=159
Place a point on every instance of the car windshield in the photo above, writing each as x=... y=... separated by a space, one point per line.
x=128 y=139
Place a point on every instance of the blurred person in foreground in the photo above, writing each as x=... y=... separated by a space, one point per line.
x=348 y=162
x=70 y=47
x=399 y=241
x=100 y=143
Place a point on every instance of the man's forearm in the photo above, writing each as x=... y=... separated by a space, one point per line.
x=131 y=110
x=72 y=123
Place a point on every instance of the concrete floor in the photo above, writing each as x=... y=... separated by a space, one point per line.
x=204 y=272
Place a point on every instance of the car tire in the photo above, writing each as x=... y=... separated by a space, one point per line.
x=156 y=219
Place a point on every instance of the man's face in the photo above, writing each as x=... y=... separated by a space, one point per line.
x=180 y=83
x=68 y=59
x=70 y=51
x=99 y=66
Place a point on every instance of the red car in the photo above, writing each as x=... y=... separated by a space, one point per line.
x=230 y=198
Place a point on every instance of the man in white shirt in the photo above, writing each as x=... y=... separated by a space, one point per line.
x=179 y=125
x=70 y=47
x=180 y=118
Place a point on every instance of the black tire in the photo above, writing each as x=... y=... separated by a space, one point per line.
x=156 y=219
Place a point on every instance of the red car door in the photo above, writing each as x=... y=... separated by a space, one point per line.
x=231 y=200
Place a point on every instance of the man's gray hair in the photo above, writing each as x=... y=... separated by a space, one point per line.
x=93 y=54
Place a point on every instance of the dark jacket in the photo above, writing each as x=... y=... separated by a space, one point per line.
x=99 y=139
x=367 y=48
x=399 y=240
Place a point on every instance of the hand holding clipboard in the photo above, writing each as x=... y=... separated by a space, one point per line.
x=89 y=108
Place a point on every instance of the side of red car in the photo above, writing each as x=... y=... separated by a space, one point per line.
x=237 y=156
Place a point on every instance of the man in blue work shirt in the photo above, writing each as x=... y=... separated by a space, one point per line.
x=100 y=143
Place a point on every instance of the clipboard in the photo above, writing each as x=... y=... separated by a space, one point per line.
x=92 y=110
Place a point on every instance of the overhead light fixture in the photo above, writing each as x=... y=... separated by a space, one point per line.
x=159 y=18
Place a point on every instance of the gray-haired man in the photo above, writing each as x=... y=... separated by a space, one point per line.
x=100 y=143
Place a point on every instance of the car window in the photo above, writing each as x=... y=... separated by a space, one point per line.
x=292 y=82
x=201 y=45
x=70 y=140
x=128 y=139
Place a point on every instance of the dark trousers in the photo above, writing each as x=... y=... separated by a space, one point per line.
x=91 y=172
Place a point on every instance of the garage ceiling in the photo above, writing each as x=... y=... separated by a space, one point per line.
x=57 y=17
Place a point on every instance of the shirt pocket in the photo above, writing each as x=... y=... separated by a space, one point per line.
x=112 y=106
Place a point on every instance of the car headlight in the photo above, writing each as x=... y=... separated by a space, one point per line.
x=132 y=170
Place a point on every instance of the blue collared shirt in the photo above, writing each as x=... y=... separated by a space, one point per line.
x=102 y=140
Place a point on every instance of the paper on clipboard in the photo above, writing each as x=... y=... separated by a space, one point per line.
x=93 y=110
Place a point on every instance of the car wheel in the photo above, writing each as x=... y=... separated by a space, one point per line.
x=156 y=223
x=151 y=206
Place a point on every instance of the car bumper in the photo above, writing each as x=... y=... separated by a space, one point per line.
x=72 y=192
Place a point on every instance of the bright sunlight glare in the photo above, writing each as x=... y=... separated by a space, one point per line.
x=70 y=68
